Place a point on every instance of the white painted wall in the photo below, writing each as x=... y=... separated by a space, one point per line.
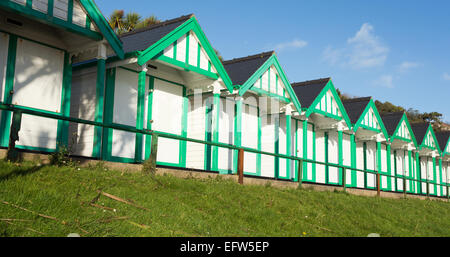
x=310 y=150
x=347 y=156
x=359 y=164
x=320 y=156
x=195 y=153
x=282 y=144
x=226 y=133
x=371 y=163
x=333 y=156
x=268 y=145
x=250 y=137
x=38 y=84
x=167 y=117
x=125 y=112
x=82 y=105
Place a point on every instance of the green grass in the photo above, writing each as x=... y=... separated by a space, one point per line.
x=193 y=207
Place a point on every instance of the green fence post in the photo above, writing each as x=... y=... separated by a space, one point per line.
x=13 y=154
x=344 y=174
x=153 y=153
x=404 y=184
x=300 y=173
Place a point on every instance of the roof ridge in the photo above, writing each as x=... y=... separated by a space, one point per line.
x=392 y=113
x=156 y=25
x=309 y=82
x=359 y=99
x=241 y=59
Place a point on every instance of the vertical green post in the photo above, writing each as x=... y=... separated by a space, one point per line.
x=288 y=142
x=215 y=127
x=379 y=164
x=327 y=168
x=300 y=173
x=151 y=85
x=8 y=91
x=341 y=157
x=389 y=166
x=63 y=126
x=142 y=82
x=305 y=149
x=108 y=111
x=277 y=146
x=99 y=92
x=353 y=159
x=237 y=128
x=153 y=153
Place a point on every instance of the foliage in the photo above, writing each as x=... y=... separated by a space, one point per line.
x=196 y=207
x=122 y=23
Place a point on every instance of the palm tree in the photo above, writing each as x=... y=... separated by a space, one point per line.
x=122 y=23
x=131 y=21
x=116 y=21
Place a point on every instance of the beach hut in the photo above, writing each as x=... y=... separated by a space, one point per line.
x=39 y=42
x=322 y=131
x=426 y=154
x=443 y=139
x=264 y=108
x=397 y=156
x=369 y=133
x=172 y=82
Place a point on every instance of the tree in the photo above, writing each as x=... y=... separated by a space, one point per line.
x=122 y=23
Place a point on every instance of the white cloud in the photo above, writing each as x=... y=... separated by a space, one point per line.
x=363 y=50
x=405 y=66
x=384 y=81
x=446 y=76
x=296 y=43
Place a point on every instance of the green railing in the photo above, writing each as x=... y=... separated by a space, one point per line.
x=18 y=111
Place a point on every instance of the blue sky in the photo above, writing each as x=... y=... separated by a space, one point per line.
x=396 y=51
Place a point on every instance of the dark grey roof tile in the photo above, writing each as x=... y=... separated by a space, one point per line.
x=355 y=107
x=241 y=69
x=307 y=91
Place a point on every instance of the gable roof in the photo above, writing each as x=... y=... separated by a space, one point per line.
x=241 y=69
x=307 y=91
x=443 y=139
x=391 y=121
x=420 y=130
x=91 y=10
x=141 y=39
x=355 y=107
x=165 y=37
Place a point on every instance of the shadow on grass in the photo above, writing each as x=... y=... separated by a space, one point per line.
x=20 y=172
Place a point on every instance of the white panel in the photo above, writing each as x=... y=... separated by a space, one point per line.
x=193 y=48
x=38 y=84
x=4 y=41
x=282 y=146
x=320 y=156
x=195 y=153
x=268 y=145
x=79 y=16
x=125 y=112
x=384 y=159
x=347 y=153
x=40 y=5
x=265 y=81
x=167 y=117
x=226 y=135
x=169 y=51
x=400 y=168
x=359 y=164
x=60 y=9
x=181 y=49
x=38 y=132
x=273 y=80
x=423 y=173
x=371 y=163
x=333 y=156
x=250 y=136
x=293 y=171
x=299 y=138
x=83 y=101
x=38 y=76
x=204 y=60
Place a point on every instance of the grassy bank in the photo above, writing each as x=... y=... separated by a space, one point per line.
x=39 y=200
